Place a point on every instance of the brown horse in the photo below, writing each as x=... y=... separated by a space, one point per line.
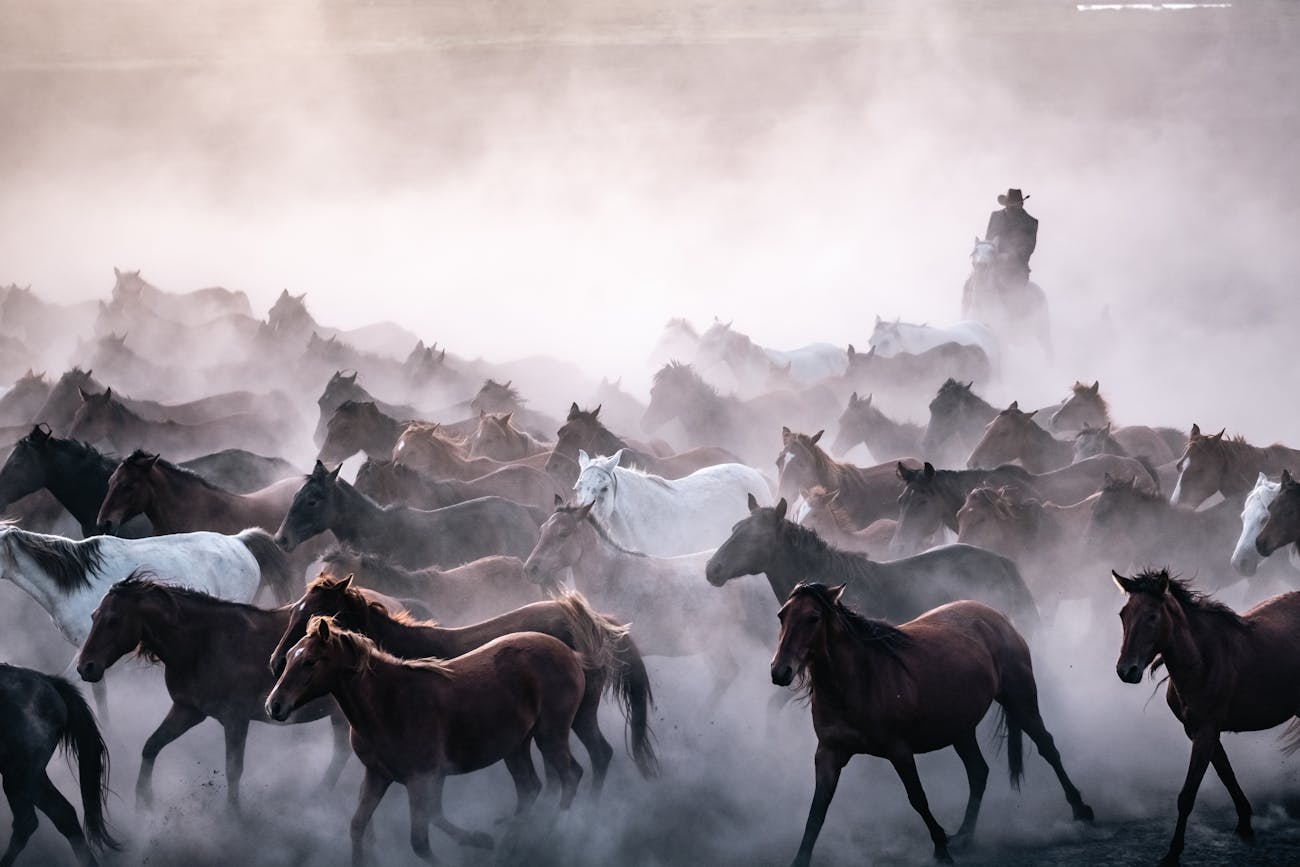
x=824 y=515
x=359 y=426
x=416 y=722
x=1012 y=436
x=187 y=631
x=496 y=396
x=862 y=422
x=471 y=592
x=389 y=483
x=1085 y=407
x=584 y=431
x=866 y=494
x=497 y=438
x=427 y=448
x=1227 y=673
x=894 y=692
x=1210 y=463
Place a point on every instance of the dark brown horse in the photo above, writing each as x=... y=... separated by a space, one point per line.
x=866 y=494
x=1282 y=527
x=103 y=419
x=584 y=431
x=388 y=483
x=359 y=426
x=214 y=656
x=894 y=692
x=416 y=722
x=766 y=543
x=1227 y=673
x=471 y=592
x=1210 y=463
x=822 y=513
x=863 y=422
x=611 y=659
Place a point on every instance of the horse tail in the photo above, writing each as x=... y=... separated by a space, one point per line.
x=1023 y=605
x=1291 y=737
x=272 y=562
x=1010 y=730
x=606 y=645
x=82 y=740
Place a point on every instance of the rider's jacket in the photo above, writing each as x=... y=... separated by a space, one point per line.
x=1017 y=234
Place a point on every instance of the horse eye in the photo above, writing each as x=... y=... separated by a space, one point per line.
x=308 y=663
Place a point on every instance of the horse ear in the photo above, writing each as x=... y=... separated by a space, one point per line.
x=595 y=412
x=615 y=459
x=786 y=433
x=108 y=393
x=929 y=470
x=868 y=398
x=319 y=469
x=1105 y=429
x=1096 y=386
x=1162 y=580
x=482 y=413
x=1031 y=413
x=150 y=461
x=852 y=351
x=781 y=506
x=1286 y=478
x=346 y=582
x=905 y=472
x=334 y=473
x=853 y=398
x=323 y=628
x=1125 y=584
x=573 y=410
x=584 y=511
x=836 y=592
x=1217 y=436
x=871 y=353
x=1015 y=404
x=818 y=436
x=505 y=419
x=878 y=319
x=1196 y=431
x=584 y=459
x=85 y=395
x=559 y=501
x=116 y=273
x=753 y=503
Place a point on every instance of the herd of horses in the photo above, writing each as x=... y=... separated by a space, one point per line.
x=562 y=556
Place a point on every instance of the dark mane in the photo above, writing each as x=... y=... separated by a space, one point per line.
x=189 y=475
x=80 y=453
x=69 y=563
x=837 y=566
x=569 y=509
x=874 y=634
x=511 y=393
x=1156 y=581
x=141 y=583
x=677 y=373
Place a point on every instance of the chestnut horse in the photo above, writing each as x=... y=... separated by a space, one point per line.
x=496 y=438
x=894 y=692
x=1210 y=463
x=866 y=494
x=584 y=431
x=1228 y=672
x=416 y=722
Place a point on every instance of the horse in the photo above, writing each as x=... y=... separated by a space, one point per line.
x=767 y=543
x=1013 y=436
x=502 y=397
x=359 y=426
x=343 y=387
x=861 y=422
x=893 y=692
x=751 y=364
x=68 y=578
x=672 y=619
x=1092 y=441
x=1210 y=464
x=478 y=589
x=387 y=482
x=1228 y=672
x=496 y=438
x=23 y=401
x=891 y=338
x=661 y=516
x=1007 y=308
x=429 y=449
x=822 y=513
x=1254 y=514
x=1282 y=524
x=584 y=431
x=418 y=721
x=611 y=659
x=898 y=374
x=185 y=630
x=1085 y=407
x=679 y=339
x=710 y=418
x=187 y=308
x=932 y=498
x=866 y=494
x=40 y=713
x=1133 y=526
x=958 y=417
x=621 y=409
x=102 y=419
x=413 y=538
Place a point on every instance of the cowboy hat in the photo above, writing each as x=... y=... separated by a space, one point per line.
x=1013 y=196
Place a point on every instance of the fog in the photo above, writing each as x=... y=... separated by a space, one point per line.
x=513 y=179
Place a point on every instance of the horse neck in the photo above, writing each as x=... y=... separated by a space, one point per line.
x=358 y=518
x=407 y=640
x=600 y=561
x=796 y=563
x=1040 y=445
x=181 y=504
x=383 y=436
x=66 y=609
x=80 y=485
x=368 y=696
x=841 y=669
x=1189 y=649
x=953 y=486
x=606 y=442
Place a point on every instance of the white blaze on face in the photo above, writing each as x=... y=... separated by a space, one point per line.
x=801 y=510
x=786 y=458
x=1178 y=487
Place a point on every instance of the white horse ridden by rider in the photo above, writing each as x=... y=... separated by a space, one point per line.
x=663 y=517
x=752 y=364
x=1254 y=513
x=1009 y=310
x=892 y=338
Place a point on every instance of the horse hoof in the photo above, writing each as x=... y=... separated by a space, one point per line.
x=1246 y=833
x=1170 y=861
x=478 y=840
x=943 y=857
x=1083 y=813
x=961 y=840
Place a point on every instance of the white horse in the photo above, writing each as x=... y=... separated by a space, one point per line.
x=69 y=578
x=666 y=517
x=752 y=364
x=1245 y=559
x=1009 y=310
x=891 y=338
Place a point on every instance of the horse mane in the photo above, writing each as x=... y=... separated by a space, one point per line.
x=827 y=467
x=682 y=374
x=70 y=563
x=433 y=430
x=184 y=472
x=509 y=390
x=141 y=582
x=601 y=531
x=1156 y=581
x=834 y=564
x=355 y=406
x=868 y=633
x=366 y=651
x=82 y=452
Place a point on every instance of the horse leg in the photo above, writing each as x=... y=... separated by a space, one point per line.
x=559 y=761
x=178 y=721
x=905 y=765
x=18 y=789
x=477 y=839
x=827 y=766
x=1020 y=702
x=1224 y=769
x=51 y=802
x=1204 y=745
x=724 y=668
x=373 y=787
x=342 y=748
x=236 y=737
x=586 y=725
x=527 y=786
x=977 y=775
x=419 y=793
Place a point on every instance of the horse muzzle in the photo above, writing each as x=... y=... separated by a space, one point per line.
x=278 y=709
x=285 y=542
x=90 y=672
x=782 y=674
x=1129 y=672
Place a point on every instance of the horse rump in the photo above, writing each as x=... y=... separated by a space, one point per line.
x=273 y=563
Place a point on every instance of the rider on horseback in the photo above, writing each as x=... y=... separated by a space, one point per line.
x=1016 y=234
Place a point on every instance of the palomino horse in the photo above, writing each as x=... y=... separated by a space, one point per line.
x=661 y=516
x=611 y=660
x=1210 y=463
x=412 y=537
x=1254 y=515
x=496 y=438
x=1009 y=310
x=866 y=494
x=186 y=630
x=894 y=692
x=673 y=619
x=38 y=714
x=418 y=721
x=886 y=439
x=766 y=543
x=584 y=431
x=1227 y=673
x=387 y=482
